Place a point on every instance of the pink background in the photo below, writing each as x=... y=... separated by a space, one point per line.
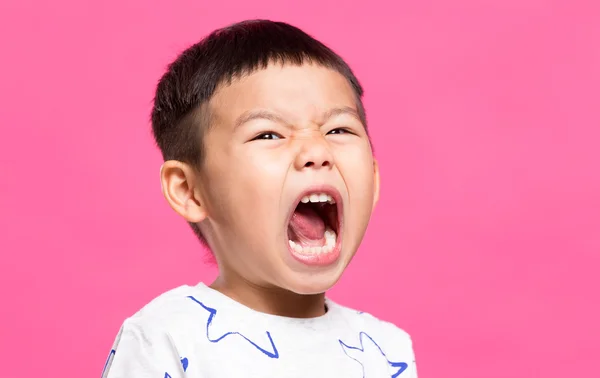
x=485 y=117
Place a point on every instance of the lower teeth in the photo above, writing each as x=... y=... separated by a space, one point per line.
x=330 y=239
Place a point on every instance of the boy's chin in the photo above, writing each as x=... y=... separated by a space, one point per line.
x=311 y=285
x=305 y=280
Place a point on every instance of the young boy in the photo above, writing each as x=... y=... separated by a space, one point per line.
x=267 y=156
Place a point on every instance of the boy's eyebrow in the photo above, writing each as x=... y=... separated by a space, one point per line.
x=271 y=116
x=339 y=111
x=258 y=114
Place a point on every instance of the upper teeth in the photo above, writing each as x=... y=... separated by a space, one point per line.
x=318 y=197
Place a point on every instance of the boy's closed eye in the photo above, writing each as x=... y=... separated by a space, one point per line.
x=340 y=131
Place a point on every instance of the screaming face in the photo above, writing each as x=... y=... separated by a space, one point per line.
x=289 y=182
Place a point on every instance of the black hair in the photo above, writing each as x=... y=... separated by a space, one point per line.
x=180 y=117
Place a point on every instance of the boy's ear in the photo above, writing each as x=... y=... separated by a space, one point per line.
x=178 y=181
x=376 y=183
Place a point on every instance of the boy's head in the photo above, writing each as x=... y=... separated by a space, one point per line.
x=267 y=154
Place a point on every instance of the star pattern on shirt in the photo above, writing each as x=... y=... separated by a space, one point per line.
x=271 y=351
x=184 y=364
x=369 y=350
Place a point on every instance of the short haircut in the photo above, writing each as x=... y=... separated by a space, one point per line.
x=179 y=115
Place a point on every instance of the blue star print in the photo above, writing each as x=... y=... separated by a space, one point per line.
x=370 y=350
x=184 y=364
x=270 y=352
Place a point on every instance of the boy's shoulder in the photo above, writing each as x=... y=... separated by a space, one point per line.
x=171 y=307
x=371 y=325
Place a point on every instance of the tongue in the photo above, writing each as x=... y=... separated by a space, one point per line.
x=306 y=224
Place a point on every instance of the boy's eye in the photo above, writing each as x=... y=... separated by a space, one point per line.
x=267 y=136
x=338 y=131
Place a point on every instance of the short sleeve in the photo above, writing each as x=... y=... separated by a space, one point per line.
x=142 y=352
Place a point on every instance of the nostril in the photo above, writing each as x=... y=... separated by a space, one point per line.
x=309 y=164
x=325 y=163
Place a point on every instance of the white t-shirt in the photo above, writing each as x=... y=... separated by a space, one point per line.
x=197 y=332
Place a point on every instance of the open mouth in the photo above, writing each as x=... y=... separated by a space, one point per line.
x=314 y=226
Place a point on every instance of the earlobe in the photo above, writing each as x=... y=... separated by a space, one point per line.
x=375 y=183
x=178 y=181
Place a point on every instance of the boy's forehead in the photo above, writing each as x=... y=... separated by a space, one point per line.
x=307 y=90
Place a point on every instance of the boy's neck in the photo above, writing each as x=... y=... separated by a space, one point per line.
x=272 y=300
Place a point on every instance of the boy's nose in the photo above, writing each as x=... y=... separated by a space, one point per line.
x=314 y=154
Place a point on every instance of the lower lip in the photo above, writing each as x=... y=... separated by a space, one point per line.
x=322 y=259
